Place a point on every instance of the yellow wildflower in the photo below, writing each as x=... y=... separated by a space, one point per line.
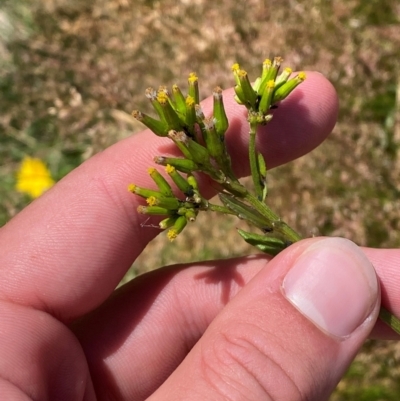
x=33 y=177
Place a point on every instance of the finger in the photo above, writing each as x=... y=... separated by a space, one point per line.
x=67 y=251
x=290 y=334
x=40 y=359
x=386 y=263
x=164 y=313
x=148 y=326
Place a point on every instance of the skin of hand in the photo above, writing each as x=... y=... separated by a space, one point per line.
x=251 y=328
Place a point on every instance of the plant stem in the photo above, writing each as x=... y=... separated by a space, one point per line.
x=390 y=319
x=289 y=235
x=281 y=227
x=255 y=172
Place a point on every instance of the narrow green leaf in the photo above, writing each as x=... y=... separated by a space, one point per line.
x=262 y=166
x=267 y=244
x=246 y=212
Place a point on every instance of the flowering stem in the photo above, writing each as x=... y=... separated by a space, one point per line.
x=390 y=319
x=255 y=173
x=179 y=118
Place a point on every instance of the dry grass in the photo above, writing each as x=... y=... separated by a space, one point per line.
x=72 y=71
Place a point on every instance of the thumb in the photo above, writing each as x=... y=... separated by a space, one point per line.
x=290 y=334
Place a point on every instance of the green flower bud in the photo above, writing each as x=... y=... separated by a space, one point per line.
x=256 y=84
x=183 y=165
x=143 y=192
x=221 y=120
x=161 y=182
x=266 y=98
x=194 y=87
x=163 y=89
x=196 y=197
x=192 y=149
x=283 y=77
x=177 y=228
x=199 y=153
x=169 y=203
x=169 y=114
x=181 y=141
x=267 y=64
x=235 y=69
x=151 y=94
x=168 y=222
x=160 y=128
x=191 y=215
x=270 y=72
x=179 y=181
x=190 y=114
x=212 y=140
x=285 y=90
x=239 y=95
x=179 y=100
x=153 y=210
x=191 y=179
x=250 y=97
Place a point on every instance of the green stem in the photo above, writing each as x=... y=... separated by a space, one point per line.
x=286 y=231
x=390 y=319
x=255 y=171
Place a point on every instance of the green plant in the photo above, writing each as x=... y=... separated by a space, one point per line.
x=201 y=140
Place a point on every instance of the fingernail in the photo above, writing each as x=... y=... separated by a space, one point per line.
x=334 y=285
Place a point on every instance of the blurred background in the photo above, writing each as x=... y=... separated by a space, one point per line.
x=71 y=72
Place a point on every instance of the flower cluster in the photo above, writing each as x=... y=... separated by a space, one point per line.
x=201 y=140
x=163 y=201
x=267 y=90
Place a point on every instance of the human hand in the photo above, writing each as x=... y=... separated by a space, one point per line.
x=208 y=331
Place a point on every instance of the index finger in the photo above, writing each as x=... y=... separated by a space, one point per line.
x=68 y=250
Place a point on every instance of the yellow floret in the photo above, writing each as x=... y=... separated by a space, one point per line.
x=169 y=169
x=172 y=234
x=302 y=75
x=235 y=67
x=193 y=77
x=132 y=188
x=189 y=101
x=162 y=97
x=271 y=84
x=151 y=200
